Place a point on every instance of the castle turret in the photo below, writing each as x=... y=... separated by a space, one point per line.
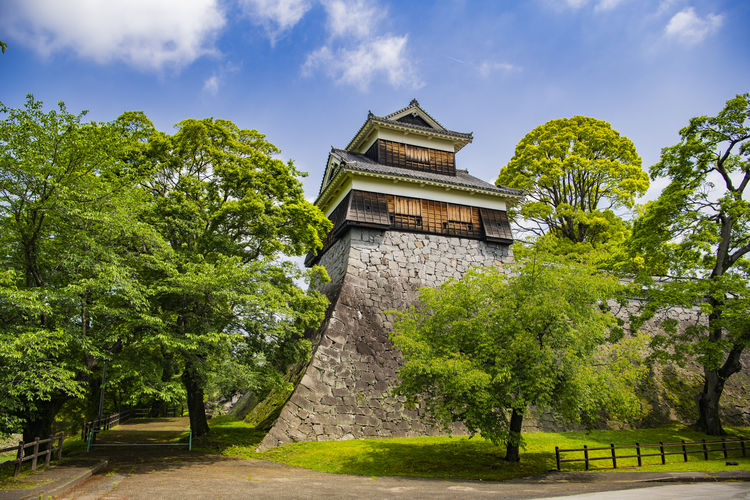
x=404 y=217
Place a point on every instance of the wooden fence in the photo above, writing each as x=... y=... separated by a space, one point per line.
x=704 y=448
x=22 y=455
x=106 y=423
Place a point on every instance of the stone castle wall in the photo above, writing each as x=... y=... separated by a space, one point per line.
x=345 y=392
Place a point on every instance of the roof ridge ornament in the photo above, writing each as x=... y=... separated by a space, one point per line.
x=414 y=102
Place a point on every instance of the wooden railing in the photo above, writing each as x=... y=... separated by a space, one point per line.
x=704 y=448
x=105 y=423
x=22 y=455
x=118 y=418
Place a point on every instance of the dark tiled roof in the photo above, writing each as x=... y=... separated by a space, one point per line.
x=413 y=104
x=389 y=120
x=463 y=135
x=354 y=161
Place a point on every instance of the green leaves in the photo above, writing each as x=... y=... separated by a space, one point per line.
x=481 y=346
x=698 y=231
x=161 y=254
x=575 y=171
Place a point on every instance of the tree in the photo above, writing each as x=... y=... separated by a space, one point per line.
x=480 y=350
x=698 y=232
x=576 y=172
x=68 y=241
x=229 y=210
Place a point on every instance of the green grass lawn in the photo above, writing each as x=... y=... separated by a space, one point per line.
x=464 y=458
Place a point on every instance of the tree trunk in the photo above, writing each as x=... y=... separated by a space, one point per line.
x=709 y=420
x=159 y=406
x=39 y=423
x=197 y=410
x=514 y=441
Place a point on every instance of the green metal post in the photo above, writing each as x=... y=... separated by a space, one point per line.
x=190 y=440
x=91 y=437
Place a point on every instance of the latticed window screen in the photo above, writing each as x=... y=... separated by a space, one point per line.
x=369 y=208
x=405 y=213
x=496 y=225
x=397 y=154
x=434 y=217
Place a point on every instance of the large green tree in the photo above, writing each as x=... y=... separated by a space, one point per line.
x=698 y=233
x=230 y=210
x=68 y=241
x=482 y=349
x=576 y=172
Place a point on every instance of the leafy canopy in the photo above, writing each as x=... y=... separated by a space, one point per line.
x=576 y=172
x=698 y=233
x=490 y=344
x=230 y=210
x=69 y=244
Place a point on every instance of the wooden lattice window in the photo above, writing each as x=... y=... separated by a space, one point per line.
x=369 y=208
x=462 y=221
x=397 y=154
x=496 y=225
x=405 y=213
x=437 y=217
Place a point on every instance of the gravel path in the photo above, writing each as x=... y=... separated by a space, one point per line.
x=173 y=472
x=186 y=476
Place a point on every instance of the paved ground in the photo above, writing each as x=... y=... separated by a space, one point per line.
x=209 y=476
x=173 y=472
x=715 y=491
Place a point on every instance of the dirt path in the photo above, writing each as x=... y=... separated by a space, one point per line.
x=173 y=472
x=194 y=475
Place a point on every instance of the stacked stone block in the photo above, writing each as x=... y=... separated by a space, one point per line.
x=346 y=391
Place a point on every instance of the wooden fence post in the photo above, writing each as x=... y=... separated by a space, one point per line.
x=614 y=458
x=19 y=457
x=684 y=450
x=50 y=442
x=586 y=456
x=742 y=444
x=705 y=450
x=59 y=447
x=557 y=456
x=638 y=452
x=36 y=453
x=724 y=446
x=661 y=450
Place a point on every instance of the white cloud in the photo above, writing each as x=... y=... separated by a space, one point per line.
x=576 y=4
x=688 y=28
x=486 y=68
x=665 y=6
x=607 y=4
x=356 y=18
x=143 y=33
x=358 y=66
x=598 y=5
x=358 y=52
x=277 y=16
x=211 y=85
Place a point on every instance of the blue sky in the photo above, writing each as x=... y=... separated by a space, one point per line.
x=305 y=72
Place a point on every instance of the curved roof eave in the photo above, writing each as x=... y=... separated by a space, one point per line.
x=512 y=196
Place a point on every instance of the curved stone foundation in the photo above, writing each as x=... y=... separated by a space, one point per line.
x=345 y=392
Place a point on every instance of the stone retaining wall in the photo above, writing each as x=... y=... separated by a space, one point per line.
x=345 y=392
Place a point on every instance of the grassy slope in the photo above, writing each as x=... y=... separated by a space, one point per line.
x=461 y=457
